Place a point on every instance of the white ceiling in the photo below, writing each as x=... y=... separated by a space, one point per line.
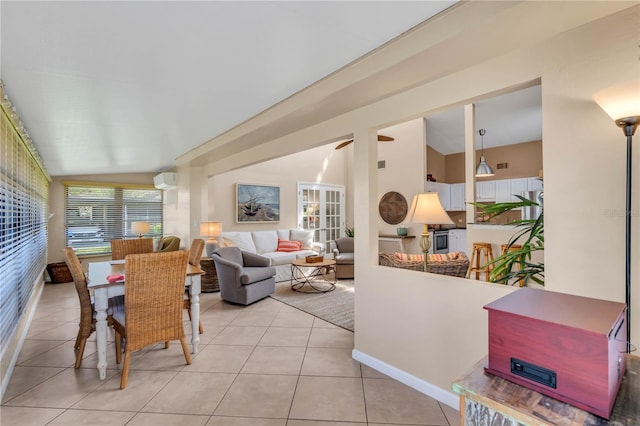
x=508 y=119
x=128 y=86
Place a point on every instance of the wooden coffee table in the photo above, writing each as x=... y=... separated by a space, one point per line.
x=319 y=276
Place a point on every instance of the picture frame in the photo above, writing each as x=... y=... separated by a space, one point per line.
x=257 y=203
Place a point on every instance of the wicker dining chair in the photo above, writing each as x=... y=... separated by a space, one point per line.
x=87 y=324
x=195 y=254
x=121 y=248
x=153 y=304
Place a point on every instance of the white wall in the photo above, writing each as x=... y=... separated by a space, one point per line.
x=319 y=165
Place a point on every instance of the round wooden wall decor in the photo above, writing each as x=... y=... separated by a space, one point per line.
x=393 y=207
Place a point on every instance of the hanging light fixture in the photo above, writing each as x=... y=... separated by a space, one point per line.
x=483 y=168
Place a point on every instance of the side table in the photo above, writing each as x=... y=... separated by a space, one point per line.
x=209 y=281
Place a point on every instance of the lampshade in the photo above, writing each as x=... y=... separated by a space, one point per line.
x=427 y=209
x=140 y=228
x=483 y=168
x=210 y=229
x=620 y=101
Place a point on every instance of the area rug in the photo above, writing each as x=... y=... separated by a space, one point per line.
x=335 y=306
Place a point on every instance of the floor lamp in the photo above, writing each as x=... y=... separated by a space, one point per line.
x=427 y=209
x=622 y=103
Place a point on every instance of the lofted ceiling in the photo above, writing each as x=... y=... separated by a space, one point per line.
x=128 y=86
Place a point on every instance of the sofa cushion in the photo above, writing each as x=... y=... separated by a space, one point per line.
x=286 y=245
x=284 y=234
x=281 y=257
x=304 y=236
x=239 y=239
x=265 y=241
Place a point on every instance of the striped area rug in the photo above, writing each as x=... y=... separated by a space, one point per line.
x=335 y=306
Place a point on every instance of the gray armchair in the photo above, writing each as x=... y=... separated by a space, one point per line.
x=344 y=256
x=243 y=277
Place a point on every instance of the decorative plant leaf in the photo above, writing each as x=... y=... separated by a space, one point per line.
x=515 y=267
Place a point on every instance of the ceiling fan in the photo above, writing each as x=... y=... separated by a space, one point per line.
x=381 y=138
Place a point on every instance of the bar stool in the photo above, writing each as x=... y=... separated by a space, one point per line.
x=480 y=257
x=514 y=247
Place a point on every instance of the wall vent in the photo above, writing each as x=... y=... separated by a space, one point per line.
x=381 y=164
x=502 y=166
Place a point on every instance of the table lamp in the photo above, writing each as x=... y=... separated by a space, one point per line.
x=211 y=231
x=140 y=228
x=622 y=104
x=427 y=209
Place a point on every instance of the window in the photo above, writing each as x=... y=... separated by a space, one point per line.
x=24 y=193
x=98 y=213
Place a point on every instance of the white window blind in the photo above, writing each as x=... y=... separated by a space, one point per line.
x=97 y=213
x=24 y=192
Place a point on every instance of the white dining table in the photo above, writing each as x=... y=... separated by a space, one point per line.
x=103 y=290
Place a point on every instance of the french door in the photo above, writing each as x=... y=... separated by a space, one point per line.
x=321 y=209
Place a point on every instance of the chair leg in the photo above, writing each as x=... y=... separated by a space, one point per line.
x=185 y=349
x=125 y=370
x=83 y=342
x=200 y=329
x=118 y=342
x=78 y=339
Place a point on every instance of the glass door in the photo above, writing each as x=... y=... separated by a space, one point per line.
x=321 y=209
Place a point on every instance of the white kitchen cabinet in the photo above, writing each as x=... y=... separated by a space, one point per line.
x=518 y=187
x=457 y=197
x=457 y=240
x=486 y=190
x=444 y=193
x=503 y=191
x=534 y=184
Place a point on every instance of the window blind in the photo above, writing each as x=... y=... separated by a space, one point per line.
x=24 y=193
x=97 y=213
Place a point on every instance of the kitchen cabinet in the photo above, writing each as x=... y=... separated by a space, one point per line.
x=457 y=240
x=444 y=193
x=518 y=187
x=486 y=190
x=503 y=191
x=534 y=184
x=457 y=197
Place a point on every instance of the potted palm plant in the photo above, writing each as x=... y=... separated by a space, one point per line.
x=528 y=239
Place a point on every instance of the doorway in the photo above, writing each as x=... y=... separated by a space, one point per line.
x=321 y=208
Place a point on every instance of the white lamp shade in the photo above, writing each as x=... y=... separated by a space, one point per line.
x=427 y=209
x=210 y=229
x=620 y=101
x=140 y=227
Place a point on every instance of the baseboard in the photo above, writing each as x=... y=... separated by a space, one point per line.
x=429 y=389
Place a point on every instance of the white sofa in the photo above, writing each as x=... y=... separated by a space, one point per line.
x=265 y=243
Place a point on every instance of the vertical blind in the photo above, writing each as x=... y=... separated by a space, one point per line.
x=97 y=213
x=24 y=193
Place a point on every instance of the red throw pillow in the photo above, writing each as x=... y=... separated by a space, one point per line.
x=286 y=245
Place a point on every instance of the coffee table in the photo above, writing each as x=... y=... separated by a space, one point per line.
x=319 y=276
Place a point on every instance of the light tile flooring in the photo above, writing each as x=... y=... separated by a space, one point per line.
x=265 y=364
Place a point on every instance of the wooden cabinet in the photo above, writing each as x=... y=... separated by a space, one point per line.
x=457 y=240
x=443 y=191
x=457 y=192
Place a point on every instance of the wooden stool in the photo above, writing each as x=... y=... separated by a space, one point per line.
x=480 y=257
x=514 y=247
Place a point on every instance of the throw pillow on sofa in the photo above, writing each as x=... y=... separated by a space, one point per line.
x=305 y=237
x=288 y=246
x=240 y=239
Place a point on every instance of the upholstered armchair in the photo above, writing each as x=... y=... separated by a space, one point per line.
x=243 y=277
x=169 y=243
x=344 y=256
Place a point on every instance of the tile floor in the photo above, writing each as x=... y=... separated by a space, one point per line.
x=265 y=364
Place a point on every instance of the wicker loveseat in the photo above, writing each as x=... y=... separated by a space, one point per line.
x=453 y=264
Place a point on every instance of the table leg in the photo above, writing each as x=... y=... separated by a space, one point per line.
x=101 y=301
x=194 y=291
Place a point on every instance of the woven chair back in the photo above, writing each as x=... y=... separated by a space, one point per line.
x=121 y=248
x=154 y=297
x=80 y=281
x=195 y=253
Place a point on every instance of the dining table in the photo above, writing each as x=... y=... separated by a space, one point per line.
x=103 y=290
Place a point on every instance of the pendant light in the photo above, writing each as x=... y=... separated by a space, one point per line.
x=483 y=168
